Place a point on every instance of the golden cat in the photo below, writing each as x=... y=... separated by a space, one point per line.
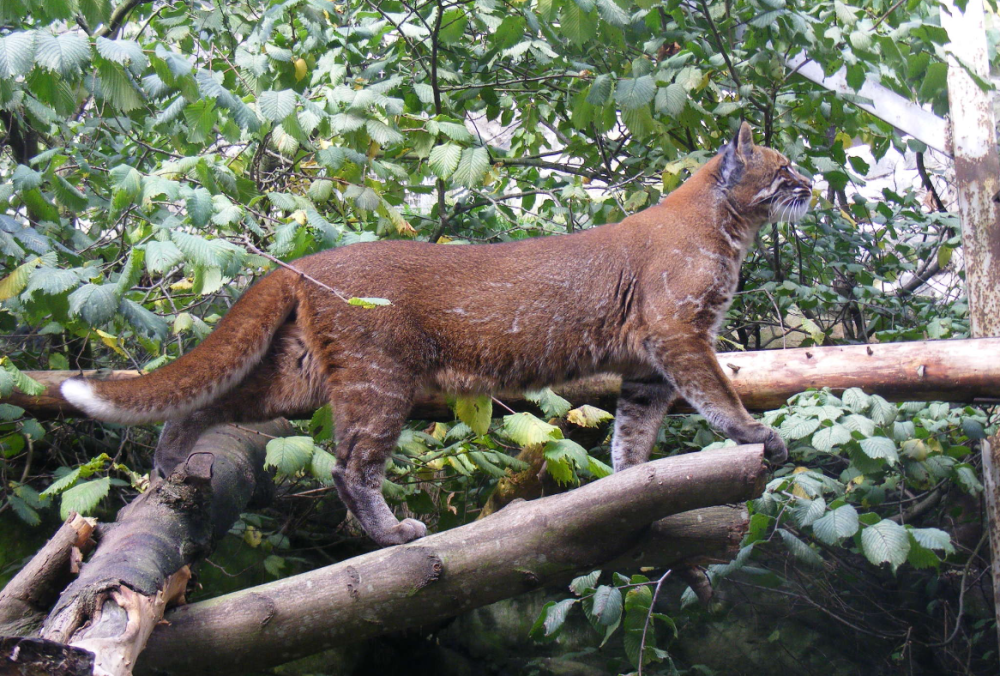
x=642 y=298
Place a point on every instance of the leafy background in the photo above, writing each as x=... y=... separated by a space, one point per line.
x=158 y=157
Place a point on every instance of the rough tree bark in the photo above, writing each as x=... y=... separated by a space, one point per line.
x=141 y=561
x=963 y=371
x=977 y=182
x=523 y=547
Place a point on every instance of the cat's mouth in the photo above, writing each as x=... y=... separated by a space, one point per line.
x=790 y=207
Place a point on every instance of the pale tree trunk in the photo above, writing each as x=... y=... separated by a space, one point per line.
x=615 y=521
x=962 y=371
x=977 y=179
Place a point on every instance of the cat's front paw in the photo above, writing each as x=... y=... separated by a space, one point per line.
x=405 y=531
x=775 y=451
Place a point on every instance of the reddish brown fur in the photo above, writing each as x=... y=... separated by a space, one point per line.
x=642 y=297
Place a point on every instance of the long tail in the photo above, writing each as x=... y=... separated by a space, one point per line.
x=218 y=364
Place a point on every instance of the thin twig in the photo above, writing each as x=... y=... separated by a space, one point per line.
x=649 y=616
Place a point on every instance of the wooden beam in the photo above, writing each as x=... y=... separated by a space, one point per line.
x=963 y=371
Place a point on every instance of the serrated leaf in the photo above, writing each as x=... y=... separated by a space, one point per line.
x=836 y=525
x=525 y=429
x=795 y=427
x=17 y=54
x=472 y=167
x=933 y=538
x=672 y=99
x=577 y=25
x=802 y=551
x=14 y=283
x=882 y=412
x=320 y=190
x=633 y=93
x=322 y=464
x=600 y=90
x=607 y=605
x=64 y=54
x=856 y=399
x=96 y=304
x=289 y=454
x=827 y=438
x=580 y=585
x=24 y=511
x=444 y=159
x=588 y=416
x=162 y=256
x=125 y=52
x=382 y=133
x=117 y=88
x=880 y=448
x=612 y=13
x=277 y=105
x=199 y=206
x=145 y=322
x=555 y=615
x=476 y=412
x=885 y=542
x=551 y=403
x=859 y=423
x=806 y=511
x=84 y=498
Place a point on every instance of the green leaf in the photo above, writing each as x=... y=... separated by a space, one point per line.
x=17 y=54
x=84 y=498
x=65 y=54
x=453 y=23
x=836 y=525
x=443 y=159
x=51 y=281
x=885 y=542
x=880 y=448
x=199 y=206
x=635 y=92
x=582 y=584
x=551 y=403
x=289 y=455
x=933 y=538
x=525 y=429
x=148 y=324
x=577 y=25
x=162 y=256
x=124 y=52
x=555 y=615
x=797 y=427
x=472 y=167
x=672 y=99
x=118 y=88
x=476 y=412
x=802 y=551
x=607 y=606
x=806 y=511
x=856 y=400
x=827 y=438
x=600 y=90
x=97 y=304
x=277 y=105
x=382 y=133
x=883 y=412
x=612 y=13
x=322 y=465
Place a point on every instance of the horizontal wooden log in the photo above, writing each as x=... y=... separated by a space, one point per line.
x=523 y=547
x=962 y=371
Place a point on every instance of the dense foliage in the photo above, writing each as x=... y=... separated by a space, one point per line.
x=158 y=157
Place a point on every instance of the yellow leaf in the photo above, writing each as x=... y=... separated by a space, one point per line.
x=797 y=490
x=300 y=69
x=183 y=285
x=111 y=341
x=14 y=283
x=588 y=416
x=299 y=217
x=439 y=431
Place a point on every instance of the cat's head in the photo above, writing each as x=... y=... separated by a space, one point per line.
x=761 y=180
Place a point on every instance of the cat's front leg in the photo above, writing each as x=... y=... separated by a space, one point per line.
x=688 y=361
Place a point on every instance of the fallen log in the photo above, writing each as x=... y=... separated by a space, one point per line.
x=523 y=547
x=141 y=561
x=962 y=371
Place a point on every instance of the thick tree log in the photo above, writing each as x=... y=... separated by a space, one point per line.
x=26 y=599
x=964 y=371
x=141 y=561
x=522 y=547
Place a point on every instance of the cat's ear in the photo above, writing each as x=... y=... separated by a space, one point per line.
x=735 y=155
x=743 y=143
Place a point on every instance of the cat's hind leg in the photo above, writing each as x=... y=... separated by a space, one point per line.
x=641 y=407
